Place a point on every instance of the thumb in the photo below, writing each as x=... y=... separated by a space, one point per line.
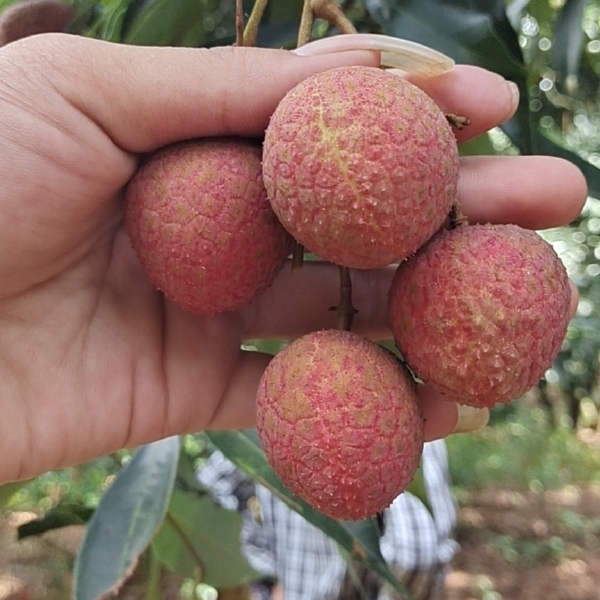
x=146 y=97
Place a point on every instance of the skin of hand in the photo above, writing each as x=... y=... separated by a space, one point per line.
x=277 y=593
x=92 y=358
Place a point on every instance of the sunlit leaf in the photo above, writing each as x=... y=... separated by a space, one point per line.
x=109 y=26
x=8 y=490
x=6 y=3
x=482 y=144
x=200 y=539
x=541 y=10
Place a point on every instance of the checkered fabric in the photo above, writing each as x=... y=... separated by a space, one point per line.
x=417 y=542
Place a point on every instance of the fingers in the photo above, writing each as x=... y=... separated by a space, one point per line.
x=237 y=409
x=440 y=415
x=486 y=98
x=147 y=97
x=536 y=192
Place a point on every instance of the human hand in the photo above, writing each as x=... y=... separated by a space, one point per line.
x=92 y=357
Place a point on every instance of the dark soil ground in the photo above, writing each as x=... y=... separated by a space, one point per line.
x=515 y=546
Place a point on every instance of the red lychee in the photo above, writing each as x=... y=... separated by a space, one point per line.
x=340 y=424
x=200 y=222
x=481 y=311
x=360 y=165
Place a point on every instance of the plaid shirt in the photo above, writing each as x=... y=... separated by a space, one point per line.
x=417 y=542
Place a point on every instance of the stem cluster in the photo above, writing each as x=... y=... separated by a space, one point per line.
x=332 y=12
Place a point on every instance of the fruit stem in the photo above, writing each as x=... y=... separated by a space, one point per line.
x=307 y=21
x=251 y=31
x=306 y=24
x=297 y=255
x=332 y=12
x=345 y=309
x=457 y=121
x=239 y=23
x=456 y=216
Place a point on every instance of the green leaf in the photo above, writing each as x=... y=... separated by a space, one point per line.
x=279 y=25
x=272 y=346
x=480 y=145
x=128 y=516
x=541 y=10
x=278 y=35
x=288 y=10
x=360 y=540
x=165 y=23
x=109 y=26
x=62 y=516
x=8 y=490
x=467 y=35
x=6 y=3
x=201 y=539
x=475 y=32
x=567 y=45
x=186 y=478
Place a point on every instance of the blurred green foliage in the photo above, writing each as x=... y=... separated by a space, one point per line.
x=82 y=485
x=521 y=451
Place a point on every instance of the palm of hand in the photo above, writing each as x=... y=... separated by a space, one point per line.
x=91 y=353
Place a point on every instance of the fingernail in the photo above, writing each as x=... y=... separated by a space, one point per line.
x=514 y=90
x=333 y=45
x=471 y=419
x=393 y=52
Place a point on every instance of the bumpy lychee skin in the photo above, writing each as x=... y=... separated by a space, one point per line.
x=200 y=222
x=360 y=165
x=340 y=424
x=480 y=312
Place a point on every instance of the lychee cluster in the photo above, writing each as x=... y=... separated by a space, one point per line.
x=361 y=168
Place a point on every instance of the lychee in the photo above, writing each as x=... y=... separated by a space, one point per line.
x=480 y=312
x=360 y=165
x=340 y=424
x=200 y=222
